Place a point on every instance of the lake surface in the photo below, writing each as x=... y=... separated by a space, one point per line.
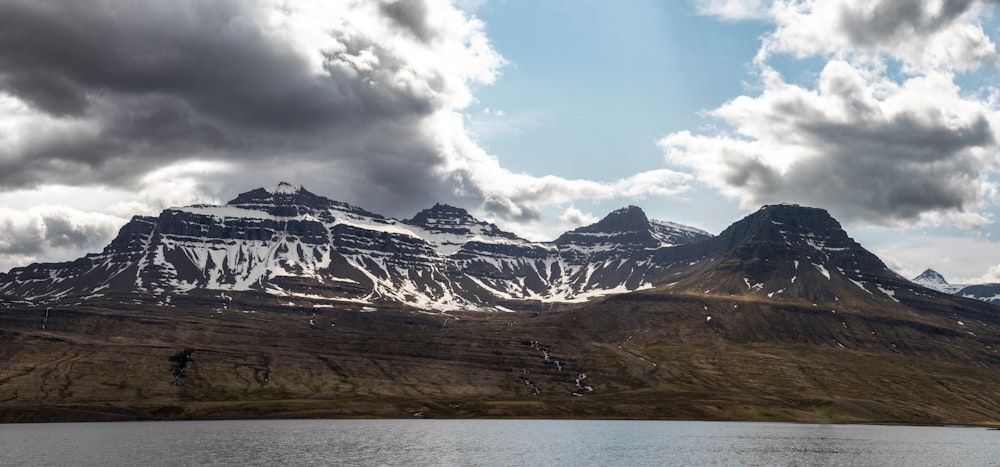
x=491 y=442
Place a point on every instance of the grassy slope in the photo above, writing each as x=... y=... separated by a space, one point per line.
x=656 y=357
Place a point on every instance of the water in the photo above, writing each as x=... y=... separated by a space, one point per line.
x=491 y=442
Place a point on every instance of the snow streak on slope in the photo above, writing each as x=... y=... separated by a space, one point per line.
x=286 y=241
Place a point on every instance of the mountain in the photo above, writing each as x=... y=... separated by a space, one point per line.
x=286 y=304
x=289 y=244
x=934 y=280
x=785 y=253
x=989 y=293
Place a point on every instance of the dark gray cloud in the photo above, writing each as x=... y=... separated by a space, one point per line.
x=890 y=171
x=125 y=87
x=888 y=21
x=176 y=102
x=506 y=209
x=411 y=15
x=212 y=55
x=46 y=234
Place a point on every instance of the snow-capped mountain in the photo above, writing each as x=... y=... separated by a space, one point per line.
x=989 y=293
x=289 y=242
x=934 y=280
x=930 y=278
x=786 y=253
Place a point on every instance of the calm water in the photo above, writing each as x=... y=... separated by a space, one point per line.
x=491 y=442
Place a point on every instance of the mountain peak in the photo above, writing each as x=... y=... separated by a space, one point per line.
x=285 y=188
x=457 y=227
x=283 y=194
x=442 y=214
x=289 y=200
x=791 y=252
x=930 y=276
x=934 y=280
x=625 y=229
x=627 y=219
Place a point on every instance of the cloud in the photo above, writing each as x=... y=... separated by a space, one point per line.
x=733 y=10
x=48 y=233
x=361 y=100
x=110 y=91
x=873 y=147
x=961 y=257
x=574 y=217
x=922 y=34
x=991 y=276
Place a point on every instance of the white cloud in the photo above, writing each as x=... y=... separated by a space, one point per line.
x=991 y=276
x=733 y=10
x=869 y=145
x=922 y=34
x=962 y=259
x=49 y=233
x=573 y=217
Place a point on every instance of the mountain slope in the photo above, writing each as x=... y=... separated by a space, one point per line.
x=781 y=317
x=786 y=253
x=289 y=242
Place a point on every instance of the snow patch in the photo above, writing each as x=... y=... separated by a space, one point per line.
x=822 y=270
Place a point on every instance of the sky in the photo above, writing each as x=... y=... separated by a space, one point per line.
x=538 y=116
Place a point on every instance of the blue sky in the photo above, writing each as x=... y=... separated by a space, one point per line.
x=591 y=86
x=538 y=115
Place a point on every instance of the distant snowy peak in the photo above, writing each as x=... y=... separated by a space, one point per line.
x=448 y=228
x=290 y=201
x=629 y=228
x=986 y=292
x=930 y=276
x=670 y=233
x=284 y=188
x=934 y=280
x=443 y=218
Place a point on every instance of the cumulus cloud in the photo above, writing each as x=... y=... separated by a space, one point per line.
x=991 y=276
x=574 y=217
x=108 y=92
x=48 y=233
x=875 y=147
x=923 y=34
x=361 y=100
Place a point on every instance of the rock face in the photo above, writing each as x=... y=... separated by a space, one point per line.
x=287 y=241
x=786 y=253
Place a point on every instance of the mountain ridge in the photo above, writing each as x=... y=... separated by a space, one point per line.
x=986 y=292
x=287 y=241
x=289 y=244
